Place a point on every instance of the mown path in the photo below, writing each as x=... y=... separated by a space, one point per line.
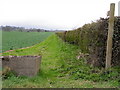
x=55 y=54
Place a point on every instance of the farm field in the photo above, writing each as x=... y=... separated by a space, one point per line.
x=57 y=44
x=14 y=40
x=61 y=69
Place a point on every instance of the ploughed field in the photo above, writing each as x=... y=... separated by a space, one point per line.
x=14 y=39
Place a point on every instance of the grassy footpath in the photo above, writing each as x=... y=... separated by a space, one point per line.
x=58 y=65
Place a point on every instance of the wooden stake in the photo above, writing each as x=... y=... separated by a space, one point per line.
x=110 y=36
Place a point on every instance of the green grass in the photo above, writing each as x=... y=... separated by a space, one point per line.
x=60 y=68
x=14 y=39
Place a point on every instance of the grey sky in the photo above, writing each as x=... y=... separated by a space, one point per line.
x=53 y=14
x=119 y=8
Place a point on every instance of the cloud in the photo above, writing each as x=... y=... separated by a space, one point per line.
x=52 y=14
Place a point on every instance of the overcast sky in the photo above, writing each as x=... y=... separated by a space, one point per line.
x=53 y=14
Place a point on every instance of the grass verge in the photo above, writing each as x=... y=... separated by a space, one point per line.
x=61 y=69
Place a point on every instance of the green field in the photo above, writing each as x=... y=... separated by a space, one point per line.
x=14 y=40
x=61 y=69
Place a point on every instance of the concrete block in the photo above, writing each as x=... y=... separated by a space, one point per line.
x=22 y=65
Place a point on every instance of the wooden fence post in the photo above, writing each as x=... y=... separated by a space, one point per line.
x=110 y=36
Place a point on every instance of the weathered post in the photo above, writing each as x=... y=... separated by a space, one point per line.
x=110 y=36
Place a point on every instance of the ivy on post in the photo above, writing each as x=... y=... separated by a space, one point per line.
x=110 y=36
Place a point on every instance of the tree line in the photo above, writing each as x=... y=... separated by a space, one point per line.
x=21 y=29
